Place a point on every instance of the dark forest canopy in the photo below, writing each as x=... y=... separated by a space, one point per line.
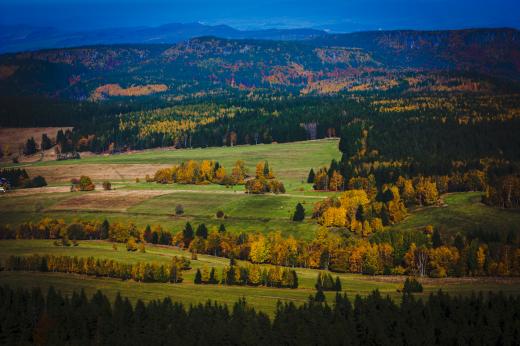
x=30 y=316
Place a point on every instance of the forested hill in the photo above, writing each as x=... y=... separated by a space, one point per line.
x=323 y=65
x=486 y=50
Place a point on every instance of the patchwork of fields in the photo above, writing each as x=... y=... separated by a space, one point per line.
x=150 y=203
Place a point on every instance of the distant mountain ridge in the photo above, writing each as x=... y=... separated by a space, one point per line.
x=490 y=51
x=27 y=38
x=450 y=61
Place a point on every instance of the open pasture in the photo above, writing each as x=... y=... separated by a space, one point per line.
x=290 y=161
x=463 y=212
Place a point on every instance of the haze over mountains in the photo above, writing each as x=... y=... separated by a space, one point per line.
x=18 y=38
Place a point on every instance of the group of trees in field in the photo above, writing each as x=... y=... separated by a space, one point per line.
x=264 y=181
x=204 y=172
x=64 y=141
x=84 y=183
x=325 y=282
x=18 y=177
x=142 y=272
x=31 y=147
x=252 y=275
x=212 y=172
x=353 y=210
x=431 y=252
x=30 y=316
x=501 y=188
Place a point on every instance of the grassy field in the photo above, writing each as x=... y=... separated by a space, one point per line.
x=464 y=212
x=149 y=203
x=188 y=293
x=291 y=161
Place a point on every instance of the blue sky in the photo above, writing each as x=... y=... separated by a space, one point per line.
x=335 y=15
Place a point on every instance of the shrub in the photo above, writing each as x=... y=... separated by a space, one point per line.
x=38 y=181
x=107 y=186
x=131 y=245
x=86 y=184
x=398 y=270
x=179 y=209
x=220 y=214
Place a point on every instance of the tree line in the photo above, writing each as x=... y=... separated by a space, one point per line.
x=34 y=317
x=18 y=177
x=204 y=172
x=427 y=252
x=252 y=275
x=141 y=272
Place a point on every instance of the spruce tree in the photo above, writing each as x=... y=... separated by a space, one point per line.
x=337 y=284
x=147 y=234
x=436 y=238
x=198 y=277
x=187 y=234
x=311 y=176
x=46 y=142
x=202 y=231
x=320 y=296
x=459 y=242
x=222 y=228
x=266 y=170
x=212 y=276
x=295 y=279
x=30 y=147
x=105 y=227
x=299 y=213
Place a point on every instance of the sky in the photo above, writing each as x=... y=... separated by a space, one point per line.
x=333 y=15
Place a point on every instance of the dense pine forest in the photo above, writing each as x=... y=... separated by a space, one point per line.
x=30 y=316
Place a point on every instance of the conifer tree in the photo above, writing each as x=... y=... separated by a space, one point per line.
x=436 y=238
x=213 y=276
x=337 y=284
x=299 y=213
x=320 y=296
x=105 y=227
x=266 y=170
x=187 y=234
x=198 y=277
x=311 y=176
x=147 y=235
x=202 y=231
